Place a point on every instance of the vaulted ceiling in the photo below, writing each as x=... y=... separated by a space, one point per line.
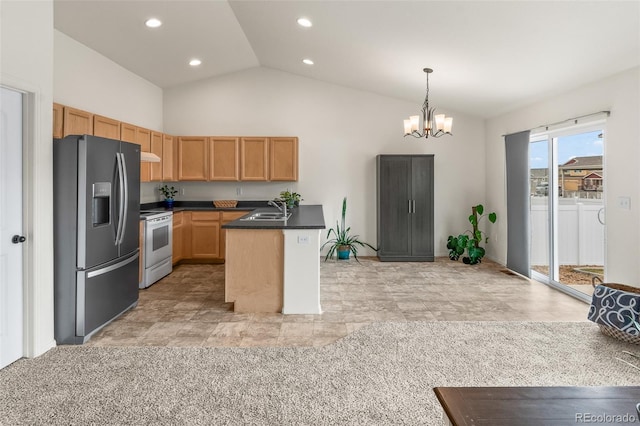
x=489 y=57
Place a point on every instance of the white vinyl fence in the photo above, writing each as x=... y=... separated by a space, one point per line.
x=580 y=233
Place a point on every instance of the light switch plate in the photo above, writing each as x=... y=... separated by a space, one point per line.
x=303 y=239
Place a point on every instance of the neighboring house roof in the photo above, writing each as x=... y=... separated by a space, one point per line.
x=590 y=162
x=593 y=176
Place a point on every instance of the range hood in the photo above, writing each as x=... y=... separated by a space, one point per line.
x=149 y=157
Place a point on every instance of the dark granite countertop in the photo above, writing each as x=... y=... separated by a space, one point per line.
x=302 y=217
x=179 y=206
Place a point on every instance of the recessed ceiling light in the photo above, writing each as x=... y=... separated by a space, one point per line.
x=304 y=22
x=153 y=23
x=195 y=62
x=307 y=61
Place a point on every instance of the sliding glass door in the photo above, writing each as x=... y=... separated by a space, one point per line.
x=567 y=208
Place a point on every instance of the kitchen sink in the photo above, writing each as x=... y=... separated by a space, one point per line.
x=271 y=216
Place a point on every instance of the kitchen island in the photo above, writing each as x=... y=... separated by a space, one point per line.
x=274 y=266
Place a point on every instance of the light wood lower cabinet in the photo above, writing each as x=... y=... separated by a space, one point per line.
x=178 y=237
x=205 y=235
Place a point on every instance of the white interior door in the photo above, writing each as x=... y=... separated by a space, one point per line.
x=11 y=286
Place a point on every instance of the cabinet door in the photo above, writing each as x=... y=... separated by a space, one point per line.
x=283 y=159
x=394 y=206
x=169 y=158
x=178 y=237
x=106 y=127
x=77 y=122
x=193 y=158
x=422 y=216
x=254 y=154
x=224 y=160
x=58 y=120
x=156 y=147
x=143 y=138
x=205 y=235
x=128 y=133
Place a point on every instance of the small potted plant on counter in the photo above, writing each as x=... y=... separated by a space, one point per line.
x=342 y=244
x=291 y=198
x=169 y=193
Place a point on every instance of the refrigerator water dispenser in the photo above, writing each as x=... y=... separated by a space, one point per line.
x=100 y=203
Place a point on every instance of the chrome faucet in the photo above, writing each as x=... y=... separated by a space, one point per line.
x=282 y=209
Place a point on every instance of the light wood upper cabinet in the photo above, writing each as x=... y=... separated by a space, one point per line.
x=254 y=159
x=224 y=161
x=77 y=122
x=193 y=156
x=128 y=133
x=205 y=235
x=106 y=127
x=58 y=120
x=169 y=158
x=283 y=159
x=156 y=148
x=143 y=138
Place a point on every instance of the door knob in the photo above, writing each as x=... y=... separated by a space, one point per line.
x=18 y=239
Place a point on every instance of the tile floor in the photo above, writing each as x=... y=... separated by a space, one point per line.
x=187 y=308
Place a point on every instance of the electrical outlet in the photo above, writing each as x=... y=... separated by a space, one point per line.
x=239 y=190
x=624 y=203
x=303 y=239
x=183 y=191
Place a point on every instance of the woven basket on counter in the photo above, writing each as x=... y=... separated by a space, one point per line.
x=613 y=308
x=225 y=203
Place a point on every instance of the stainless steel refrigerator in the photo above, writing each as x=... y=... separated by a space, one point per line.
x=96 y=233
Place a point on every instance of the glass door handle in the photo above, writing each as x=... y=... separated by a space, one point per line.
x=601 y=215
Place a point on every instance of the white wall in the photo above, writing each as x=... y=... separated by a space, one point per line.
x=26 y=64
x=84 y=79
x=341 y=131
x=619 y=94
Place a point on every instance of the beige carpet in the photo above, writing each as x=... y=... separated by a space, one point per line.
x=382 y=374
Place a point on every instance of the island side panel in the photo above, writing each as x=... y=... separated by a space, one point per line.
x=254 y=269
x=302 y=271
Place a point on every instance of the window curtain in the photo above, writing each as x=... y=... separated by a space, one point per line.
x=518 y=227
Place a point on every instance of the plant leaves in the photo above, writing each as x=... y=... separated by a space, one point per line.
x=480 y=209
x=492 y=217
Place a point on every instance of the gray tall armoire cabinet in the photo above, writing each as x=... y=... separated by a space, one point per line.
x=405 y=207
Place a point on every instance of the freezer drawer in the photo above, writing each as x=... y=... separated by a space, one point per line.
x=105 y=293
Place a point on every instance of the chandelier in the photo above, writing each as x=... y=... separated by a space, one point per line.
x=432 y=125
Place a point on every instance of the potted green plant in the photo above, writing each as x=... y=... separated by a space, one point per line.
x=169 y=193
x=470 y=240
x=343 y=243
x=291 y=198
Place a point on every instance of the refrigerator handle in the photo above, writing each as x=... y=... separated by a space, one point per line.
x=121 y=198
x=125 y=205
